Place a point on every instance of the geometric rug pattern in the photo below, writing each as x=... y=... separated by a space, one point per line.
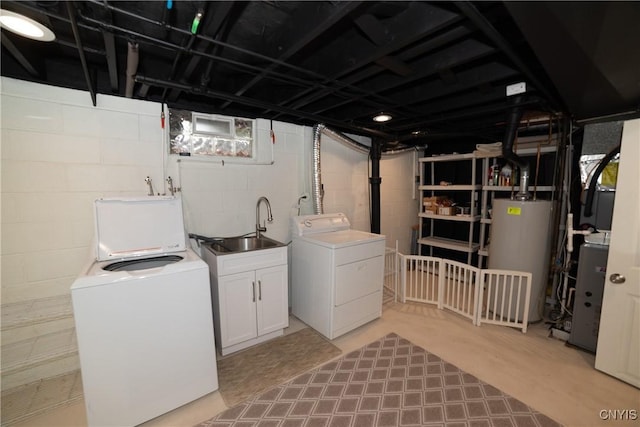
x=390 y=382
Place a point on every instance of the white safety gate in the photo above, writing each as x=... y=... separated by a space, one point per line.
x=391 y=272
x=499 y=297
x=420 y=279
x=505 y=297
x=460 y=289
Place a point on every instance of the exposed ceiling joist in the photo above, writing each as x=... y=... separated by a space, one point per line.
x=438 y=67
x=29 y=64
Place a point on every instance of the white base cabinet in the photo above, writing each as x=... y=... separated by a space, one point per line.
x=250 y=297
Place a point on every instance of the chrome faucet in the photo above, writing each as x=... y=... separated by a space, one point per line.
x=172 y=189
x=148 y=181
x=260 y=229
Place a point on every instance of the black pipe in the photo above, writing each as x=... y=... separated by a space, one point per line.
x=513 y=122
x=83 y=59
x=209 y=93
x=375 y=181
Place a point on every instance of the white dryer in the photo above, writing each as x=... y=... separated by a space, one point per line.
x=143 y=316
x=337 y=273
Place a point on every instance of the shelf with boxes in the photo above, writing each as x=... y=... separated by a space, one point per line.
x=467 y=178
x=448 y=200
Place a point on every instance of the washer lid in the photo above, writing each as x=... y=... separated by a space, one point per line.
x=134 y=227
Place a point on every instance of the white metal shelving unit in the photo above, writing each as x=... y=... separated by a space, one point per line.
x=428 y=187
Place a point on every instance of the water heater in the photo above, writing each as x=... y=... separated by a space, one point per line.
x=520 y=241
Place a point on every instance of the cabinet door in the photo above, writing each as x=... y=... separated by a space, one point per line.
x=273 y=305
x=238 y=296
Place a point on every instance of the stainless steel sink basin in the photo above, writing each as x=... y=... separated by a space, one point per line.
x=243 y=244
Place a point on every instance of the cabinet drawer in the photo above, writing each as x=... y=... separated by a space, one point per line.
x=358 y=279
x=357 y=252
x=253 y=260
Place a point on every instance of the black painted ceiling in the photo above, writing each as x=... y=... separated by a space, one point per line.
x=440 y=68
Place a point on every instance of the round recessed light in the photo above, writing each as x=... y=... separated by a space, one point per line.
x=25 y=27
x=382 y=117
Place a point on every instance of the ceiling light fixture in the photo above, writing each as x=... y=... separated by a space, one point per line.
x=382 y=117
x=25 y=27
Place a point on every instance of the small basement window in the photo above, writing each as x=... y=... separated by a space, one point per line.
x=208 y=135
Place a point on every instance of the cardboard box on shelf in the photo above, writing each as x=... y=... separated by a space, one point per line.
x=431 y=210
x=446 y=210
x=434 y=200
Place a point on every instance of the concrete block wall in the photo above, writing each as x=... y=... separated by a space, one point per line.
x=59 y=153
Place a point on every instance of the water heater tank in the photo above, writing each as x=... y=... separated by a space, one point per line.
x=520 y=241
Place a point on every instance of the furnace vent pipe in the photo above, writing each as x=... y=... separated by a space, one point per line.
x=513 y=121
x=316 y=179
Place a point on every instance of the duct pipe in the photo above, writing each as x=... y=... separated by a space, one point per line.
x=132 y=68
x=345 y=140
x=375 y=180
x=513 y=121
x=316 y=178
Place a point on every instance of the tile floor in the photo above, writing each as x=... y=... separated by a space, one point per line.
x=40 y=397
x=540 y=371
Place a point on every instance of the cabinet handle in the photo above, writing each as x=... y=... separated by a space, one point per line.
x=253 y=288
x=260 y=290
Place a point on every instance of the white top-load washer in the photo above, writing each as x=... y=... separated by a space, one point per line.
x=142 y=309
x=337 y=273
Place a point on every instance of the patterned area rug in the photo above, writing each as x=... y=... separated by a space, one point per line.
x=258 y=368
x=390 y=382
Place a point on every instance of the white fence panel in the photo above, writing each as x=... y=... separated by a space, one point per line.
x=420 y=279
x=460 y=288
x=505 y=297
x=391 y=272
x=499 y=297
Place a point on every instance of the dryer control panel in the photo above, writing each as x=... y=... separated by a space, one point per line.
x=322 y=223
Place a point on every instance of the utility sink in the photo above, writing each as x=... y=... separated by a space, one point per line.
x=232 y=245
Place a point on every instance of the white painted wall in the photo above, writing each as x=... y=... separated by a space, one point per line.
x=345 y=177
x=220 y=200
x=398 y=199
x=59 y=153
